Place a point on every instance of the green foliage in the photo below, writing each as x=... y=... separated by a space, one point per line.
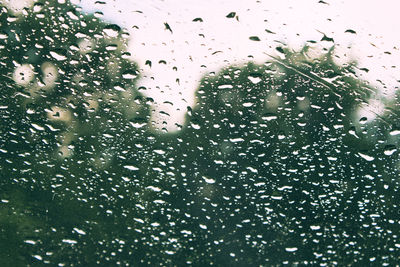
x=275 y=158
x=70 y=113
x=65 y=87
x=273 y=166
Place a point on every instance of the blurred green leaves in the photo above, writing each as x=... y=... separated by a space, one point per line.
x=288 y=153
x=275 y=164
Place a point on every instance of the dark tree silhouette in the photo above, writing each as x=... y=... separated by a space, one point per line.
x=276 y=167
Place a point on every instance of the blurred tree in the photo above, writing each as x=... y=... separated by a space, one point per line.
x=273 y=167
x=71 y=118
x=68 y=70
x=276 y=166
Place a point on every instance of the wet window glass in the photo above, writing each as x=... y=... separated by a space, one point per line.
x=199 y=133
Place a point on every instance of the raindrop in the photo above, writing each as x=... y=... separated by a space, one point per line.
x=58 y=55
x=269 y=117
x=366 y=157
x=154 y=188
x=111 y=47
x=37 y=127
x=79 y=231
x=208 y=180
x=3 y=35
x=72 y=15
x=38 y=257
x=351 y=31
x=363 y=120
x=254 y=79
x=118 y=87
x=231 y=15
x=37 y=7
x=129 y=75
x=203 y=226
x=390 y=150
x=131 y=168
x=254 y=38
x=159 y=151
x=138 y=125
x=69 y=241
x=195 y=126
x=112 y=30
x=225 y=86
x=394 y=132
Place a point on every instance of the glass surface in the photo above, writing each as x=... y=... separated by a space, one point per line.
x=173 y=133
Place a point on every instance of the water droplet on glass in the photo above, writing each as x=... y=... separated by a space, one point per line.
x=394 y=132
x=291 y=249
x=225 y=86
x=203 y=226
x=254 y=80
x=112 y=30
x=366 y=157
x=208 y=180
x=129 y=75
x=390 y=150
x=58 y=55
x=131 y=168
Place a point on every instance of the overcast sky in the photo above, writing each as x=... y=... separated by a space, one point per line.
x=196 y=48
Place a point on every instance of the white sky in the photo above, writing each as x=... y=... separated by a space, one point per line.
x=294 y=22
